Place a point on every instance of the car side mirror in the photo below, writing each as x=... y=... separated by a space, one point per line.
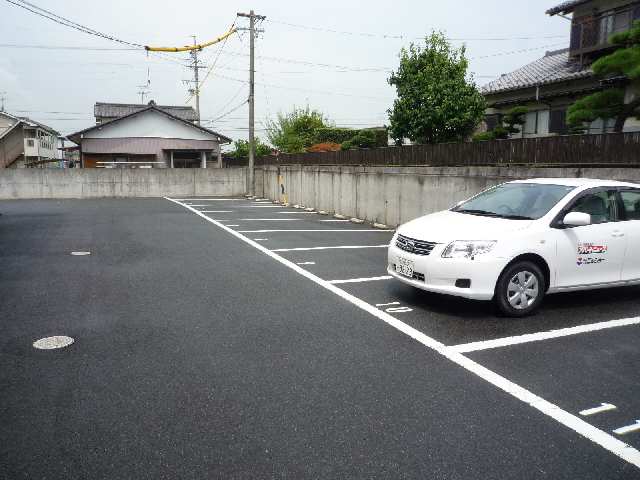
x=576 y=219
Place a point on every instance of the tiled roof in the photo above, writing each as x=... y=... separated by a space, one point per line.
x=566 y=7
x=76 y=137
x=33 y=123
x=552 y=68
x=117 y=110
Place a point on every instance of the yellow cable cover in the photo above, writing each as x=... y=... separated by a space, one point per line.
x=189 y=48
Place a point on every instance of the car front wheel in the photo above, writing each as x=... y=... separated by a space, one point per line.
x=520 y=289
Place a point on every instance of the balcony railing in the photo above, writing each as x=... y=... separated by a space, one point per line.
x=592 y=33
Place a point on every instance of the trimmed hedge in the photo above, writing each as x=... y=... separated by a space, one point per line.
x=375 y=137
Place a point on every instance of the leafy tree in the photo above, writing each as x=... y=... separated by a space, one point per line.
x=436 y=103
x=294 y=132
x=241 y=149
x=362 y=139
x=624 y=63
x=510 y=124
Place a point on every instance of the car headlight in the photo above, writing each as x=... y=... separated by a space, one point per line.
x=468 y=248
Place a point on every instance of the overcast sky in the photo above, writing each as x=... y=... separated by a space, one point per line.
x=295 y=65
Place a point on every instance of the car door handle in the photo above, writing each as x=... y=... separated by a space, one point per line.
x=617 y=234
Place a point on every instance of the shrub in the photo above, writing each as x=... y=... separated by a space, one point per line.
x=324 y=147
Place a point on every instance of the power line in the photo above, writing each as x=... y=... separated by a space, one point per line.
x=337 y=68
x=324 y=92
x=68 y=47
x=512 y=52
x=404 y=37
x=67 y=23
x=234 y=109
x=230 y=101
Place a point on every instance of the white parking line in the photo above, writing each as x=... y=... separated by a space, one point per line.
x=315 y=230
x=270 y=219
x=387 y=304
x=628 y=429
x=344 y=247
x=260 y=206
x=306 y=263
x=604 y=407
x=600 y=437
x=360 y=280
x=335 y=221
x=296 y=213
x=536 y=337
x=216 y=211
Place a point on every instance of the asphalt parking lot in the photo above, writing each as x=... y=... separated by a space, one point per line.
x=235 y=338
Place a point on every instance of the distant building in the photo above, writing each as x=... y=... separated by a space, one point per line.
x=549 y=85
x=105 y=112
x=26 y=143
x=151 y=137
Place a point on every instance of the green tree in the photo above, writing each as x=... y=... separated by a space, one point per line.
x=241 y=149
x=510 y=124
x=294 y=132
x=622 y=64
x=436 y=102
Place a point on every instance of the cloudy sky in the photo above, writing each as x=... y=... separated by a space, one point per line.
x=333 y=55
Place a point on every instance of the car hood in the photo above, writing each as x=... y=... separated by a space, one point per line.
x=446 y=226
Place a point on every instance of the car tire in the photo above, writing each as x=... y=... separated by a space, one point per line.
x=520 y=289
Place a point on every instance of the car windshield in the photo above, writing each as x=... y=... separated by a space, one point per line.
x=517 y=201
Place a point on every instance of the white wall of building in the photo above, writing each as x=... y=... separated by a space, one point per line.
x=150 y=124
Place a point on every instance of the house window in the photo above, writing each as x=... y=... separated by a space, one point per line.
x=558 y=121
x=536 y=123
x=602 y=126
x=492 y=121
x=612 y=23
x=30 y=142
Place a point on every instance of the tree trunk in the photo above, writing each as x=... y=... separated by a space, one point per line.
x=620 y=121
x=629 y=110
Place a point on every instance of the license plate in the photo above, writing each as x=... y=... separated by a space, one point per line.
x=404 y=267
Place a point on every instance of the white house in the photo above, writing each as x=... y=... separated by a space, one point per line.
x=149 y=138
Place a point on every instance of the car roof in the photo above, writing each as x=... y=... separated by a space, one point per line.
x=579 y=182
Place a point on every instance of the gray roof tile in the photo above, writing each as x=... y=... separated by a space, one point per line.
x=553 y=67
x=566 y=7
x=117 y=110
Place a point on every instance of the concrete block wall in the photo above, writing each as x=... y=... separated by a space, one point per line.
x=120 y=183
x=395 y=195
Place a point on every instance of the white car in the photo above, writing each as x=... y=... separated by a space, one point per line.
x=518 y=241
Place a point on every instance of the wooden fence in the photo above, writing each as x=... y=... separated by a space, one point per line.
x=607 y=150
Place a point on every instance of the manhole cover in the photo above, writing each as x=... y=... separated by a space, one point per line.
x=80 y=254
x=51 y=343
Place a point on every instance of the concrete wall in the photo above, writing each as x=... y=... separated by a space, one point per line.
x=90 y=183
x=394 y=195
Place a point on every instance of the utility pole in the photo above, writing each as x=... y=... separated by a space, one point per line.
x=252 y=141
x=196 y=66
x=2 y=99
x=144 y=89
x=142 y=92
